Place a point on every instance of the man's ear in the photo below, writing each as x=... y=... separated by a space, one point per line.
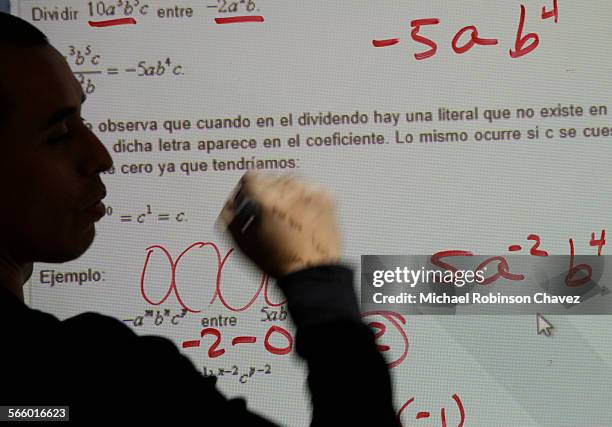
x=27 y=271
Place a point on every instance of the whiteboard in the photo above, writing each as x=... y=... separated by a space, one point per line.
x=335 y=73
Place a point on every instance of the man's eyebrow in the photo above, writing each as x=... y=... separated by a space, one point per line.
x=61 y=114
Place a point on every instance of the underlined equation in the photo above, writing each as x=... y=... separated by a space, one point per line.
x=469 y=37
x=116 y=13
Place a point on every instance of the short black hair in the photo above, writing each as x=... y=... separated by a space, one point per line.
x=15 y=31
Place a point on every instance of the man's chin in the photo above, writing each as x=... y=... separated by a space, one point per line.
x=71 y=249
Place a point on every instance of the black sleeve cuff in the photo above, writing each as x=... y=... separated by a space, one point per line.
x=320 y=295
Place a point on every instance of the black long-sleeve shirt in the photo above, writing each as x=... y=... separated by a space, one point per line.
x=105 y=372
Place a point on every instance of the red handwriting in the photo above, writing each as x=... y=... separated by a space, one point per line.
x=219 y=264
x=173 y=266
x=112 y=22
x=396 y=320
x=425 y=414
x=416 y=27
x=503 y=269
x=600 y=243
x=554 y=13
x=474 y=39
x=383 y=43
x=244 y=340
x=278 y=350
x=534 y=249
x=523 y=44
x=215 y=351
x=239 y=19
x=212 y=351
x=570 y=279
x=381 y=331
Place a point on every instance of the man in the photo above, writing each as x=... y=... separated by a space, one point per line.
x=51 y=198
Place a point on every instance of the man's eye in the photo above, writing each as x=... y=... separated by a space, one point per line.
x=59 y=138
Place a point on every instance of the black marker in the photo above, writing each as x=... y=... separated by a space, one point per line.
x=246 y=212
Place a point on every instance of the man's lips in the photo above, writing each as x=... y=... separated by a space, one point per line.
x=96 y=211
x=94 y=207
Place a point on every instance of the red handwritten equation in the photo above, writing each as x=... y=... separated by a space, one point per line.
x=424 y=414
x=524 y=43
x=388 y=320
x=394 y=319
x=215 y=351
x=572 y=278
x=218 y=294
x=577 y=275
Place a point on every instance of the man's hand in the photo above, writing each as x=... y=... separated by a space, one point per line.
x=293 y=227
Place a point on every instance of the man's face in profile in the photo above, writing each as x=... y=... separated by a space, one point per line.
x=49 y=161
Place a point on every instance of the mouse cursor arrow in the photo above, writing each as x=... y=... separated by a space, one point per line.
x=544 y=327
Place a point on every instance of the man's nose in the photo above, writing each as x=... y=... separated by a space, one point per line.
x=97 y=158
